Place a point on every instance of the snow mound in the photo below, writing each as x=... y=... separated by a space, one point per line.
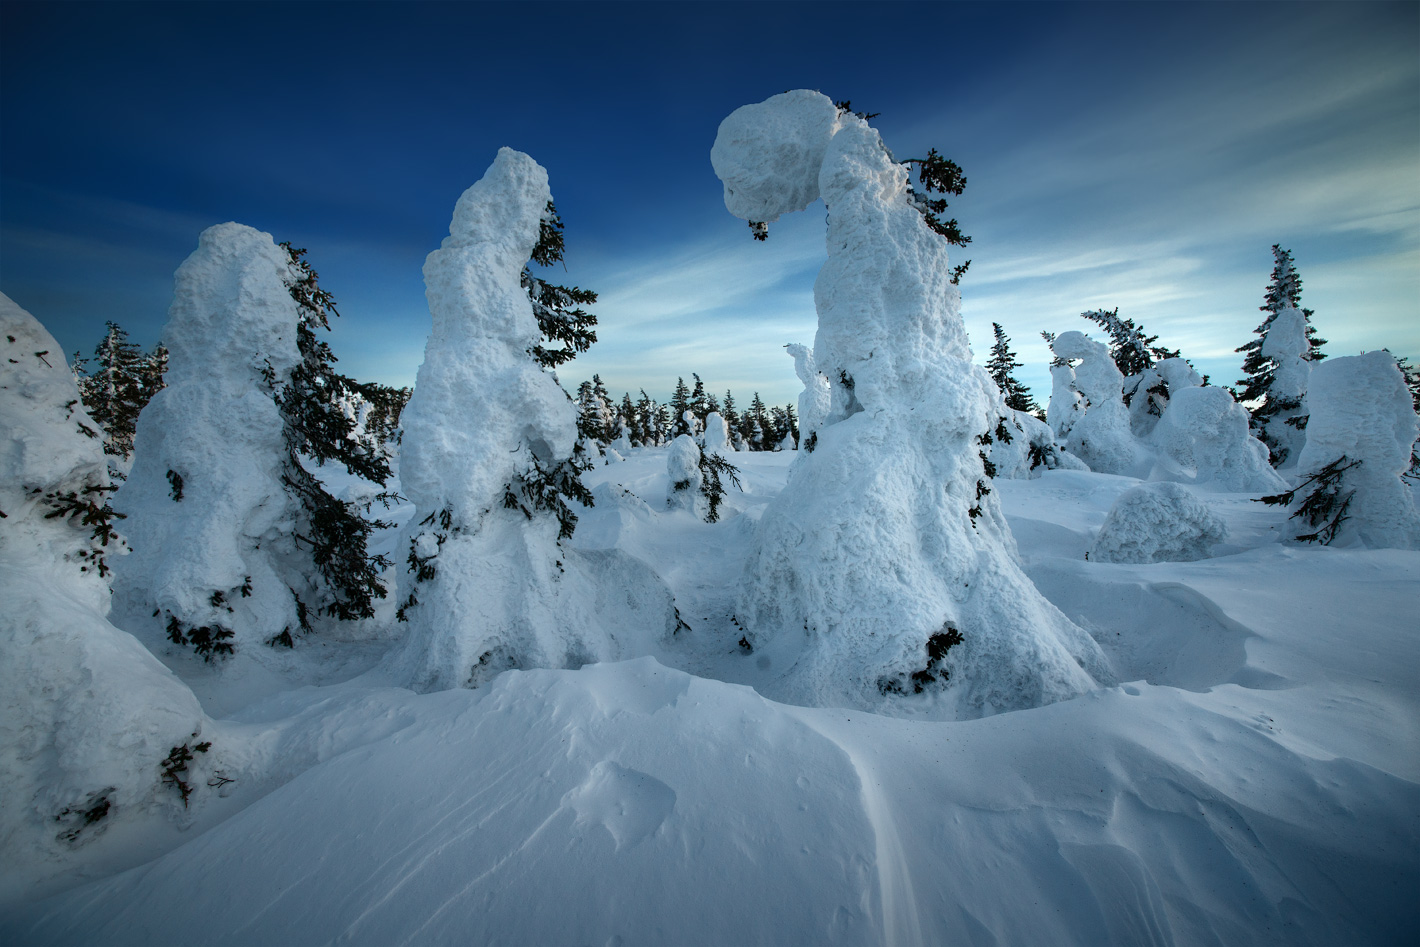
x=1158 y=522
x=208 y=515
x=1100 y=435
x=1204 y=430
x=1361 y=409
x=87 y=715
x=885 y=571
x=717 y=434
x=489 y=585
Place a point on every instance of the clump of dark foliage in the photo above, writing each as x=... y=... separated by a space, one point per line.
x=935 y=672
x=80 y=816
x=712 y=468
x=175 y=767
x=91 y=508
x=1325 y=506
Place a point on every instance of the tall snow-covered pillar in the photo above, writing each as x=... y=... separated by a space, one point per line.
x=888 y=543
x=1287 y=345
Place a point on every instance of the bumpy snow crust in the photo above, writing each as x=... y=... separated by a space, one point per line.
x=1205 y=430
x=87 y=715
x=231 y=338
x=815 y=399
x=505 y=594
x=1361 y=408
x=1101 y=435
x=1158 y=522
x=683 y=476
x=871 y=548
x=1286 y=344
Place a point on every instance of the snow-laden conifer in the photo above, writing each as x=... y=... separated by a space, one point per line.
x=815 y=399
x=116 y=384
x=1100 y=434
x=1204 y=431
x=489 y=460
x=1002 y=366
x=87 y=714
x=1287 y=347
x=886 y=558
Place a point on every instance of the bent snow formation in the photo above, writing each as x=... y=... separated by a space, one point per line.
x=888 y=542
x=490 y=587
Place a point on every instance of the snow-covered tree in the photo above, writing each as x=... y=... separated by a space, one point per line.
x=116 y=384
x=566 y=328
x=489 y=459
x=1360 y=437
x=1284 y=291
x=89 y=715
x=679 y=405
x=1411 y=374
x=1100 y=434
x=815 y=399
x=1285 y=423
x=1002 y=366
x=1205 y=432
x=887 y=554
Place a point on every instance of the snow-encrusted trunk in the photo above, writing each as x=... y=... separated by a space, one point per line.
x=1101 y=435
x=815 y=399
x=87 y=714
x=209 y=519
x=489 y=587
x=1284 y=429
x=1361 y=409
x=885 y=567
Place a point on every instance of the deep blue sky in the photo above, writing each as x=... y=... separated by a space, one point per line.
x=1136 y=155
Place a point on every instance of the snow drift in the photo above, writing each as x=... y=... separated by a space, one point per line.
x=887 y=547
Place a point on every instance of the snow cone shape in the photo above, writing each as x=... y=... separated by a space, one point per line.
x=87 y=714
x=1101 y=436
x=814 y=400
x=885 y=568
x=208 y=515
x=717 y=434
x=1360 y=409
x=1287 y=346
x=1158 y=522
x=487 y=453
x=1204 y=429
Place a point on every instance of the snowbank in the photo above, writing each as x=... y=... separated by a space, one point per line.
x=209 y=519
x=487 y=436
x=87 y=715
x=1158 y=522
x=1361 y=409
x=888 y=540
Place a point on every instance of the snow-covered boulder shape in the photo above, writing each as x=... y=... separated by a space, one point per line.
x=683 y=476
x=485 y=433
x=1361 y=409
x=1204 y=430
x=1158 y=522
x=87 y=714
x=208 y=515
x=1030 y=451
x=717 y=434
x=1287 y=345
x=887 y=541
x=815 y=399
x=1100 y=435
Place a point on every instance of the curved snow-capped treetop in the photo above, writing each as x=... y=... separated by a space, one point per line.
x=815 y=399
x=1362 y=410
x=488 y=458
x=87 y=714
x=1101 y=436
x=209 y=518
x=885 y=568
x=1287 y=345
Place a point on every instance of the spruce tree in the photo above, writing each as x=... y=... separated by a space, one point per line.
x=121 y=382
x=567 y=329
x=626 y=420
x=755 y=425
x=1284 y=291
x=1001 y=366
x=680 y=403
x=1132 y=350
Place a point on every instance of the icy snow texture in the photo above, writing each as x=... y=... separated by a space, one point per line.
x=683 y=476
x=870 y=548
x=505 y=594
x=1361 y=408
x=1065 y=404
x=815 y=399
x=216 y=425
x=1100 y=435
x=1205 y=430
x=717 y=434
x=85 y=711
x=1013 y=460
x=1158 y=522
x=1286 y=344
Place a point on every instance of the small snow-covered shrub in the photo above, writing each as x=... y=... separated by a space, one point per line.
x=1158 y=522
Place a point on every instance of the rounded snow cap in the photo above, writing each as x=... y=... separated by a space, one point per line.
x=768 y=155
